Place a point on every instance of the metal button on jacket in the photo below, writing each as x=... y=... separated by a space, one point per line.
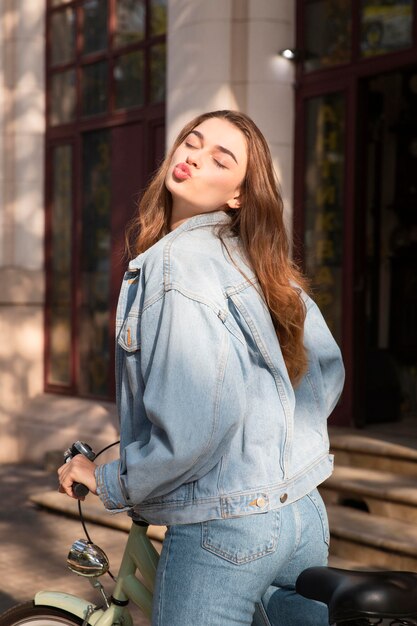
x=283 y=498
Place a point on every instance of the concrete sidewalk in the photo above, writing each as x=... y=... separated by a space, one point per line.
x=34 y=542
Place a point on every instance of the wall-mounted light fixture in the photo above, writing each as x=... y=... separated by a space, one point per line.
x=292 y=54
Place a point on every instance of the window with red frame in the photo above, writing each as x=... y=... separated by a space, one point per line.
x=105 y=68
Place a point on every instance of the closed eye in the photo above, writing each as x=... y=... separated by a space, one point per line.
x=223 y=167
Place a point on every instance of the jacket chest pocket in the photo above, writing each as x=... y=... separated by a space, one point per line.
x=129 y=335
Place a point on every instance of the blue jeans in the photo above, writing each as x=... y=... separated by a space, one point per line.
x=243 y=570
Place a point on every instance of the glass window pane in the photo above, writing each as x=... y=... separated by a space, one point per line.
x=327 y=25
x=60 y=329
x=63 y=97
x=324 y=187
x=94 y=345
x=94 y=26
x=62 y=36
x=128 y=76
x=386 y=26
x=130 y=22
x=158 y=17
x=157 y=73
x=94 y=88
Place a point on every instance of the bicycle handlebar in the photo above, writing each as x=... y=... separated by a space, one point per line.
x=79 y=447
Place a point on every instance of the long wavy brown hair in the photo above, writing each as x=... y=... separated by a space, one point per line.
x=260 y=226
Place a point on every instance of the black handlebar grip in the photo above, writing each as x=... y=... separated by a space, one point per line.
x=80 y=490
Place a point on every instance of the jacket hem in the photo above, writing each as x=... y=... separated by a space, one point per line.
x=239 y=504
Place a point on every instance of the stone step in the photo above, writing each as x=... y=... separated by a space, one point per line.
x=339 y=562
x=372 y=540
x=93 y=511
x=381 y=493
x=356 y=448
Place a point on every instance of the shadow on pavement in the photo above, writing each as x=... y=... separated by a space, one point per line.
x=34 y=543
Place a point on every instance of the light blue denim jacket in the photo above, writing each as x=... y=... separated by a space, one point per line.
x=211 y=426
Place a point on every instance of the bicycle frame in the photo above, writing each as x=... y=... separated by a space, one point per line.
x=139 y=554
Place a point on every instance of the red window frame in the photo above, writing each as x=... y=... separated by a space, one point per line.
x=151 y=117
x=344 y=78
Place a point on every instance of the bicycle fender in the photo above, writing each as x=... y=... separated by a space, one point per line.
x=69 y=603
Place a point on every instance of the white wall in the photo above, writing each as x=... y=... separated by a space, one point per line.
x=222 y=54
x=22 y=127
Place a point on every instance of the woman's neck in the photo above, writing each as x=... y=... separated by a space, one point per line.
x=177 y=222
x=181 y=214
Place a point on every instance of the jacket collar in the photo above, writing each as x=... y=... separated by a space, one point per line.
x=198 y=221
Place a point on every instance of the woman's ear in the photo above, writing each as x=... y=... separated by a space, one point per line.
x=234 y=203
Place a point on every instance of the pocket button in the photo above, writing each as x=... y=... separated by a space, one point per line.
x=283 y=498
x=260 y=502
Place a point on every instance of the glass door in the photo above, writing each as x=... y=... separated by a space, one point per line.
x=388 y=384
x=323 y=222
x=363 y=278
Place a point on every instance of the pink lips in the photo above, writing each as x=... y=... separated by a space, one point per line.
x=182 y=171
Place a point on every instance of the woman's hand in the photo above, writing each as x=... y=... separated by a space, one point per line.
x=78 y=470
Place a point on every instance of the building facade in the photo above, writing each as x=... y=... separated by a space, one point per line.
x=93 y=91
x=355 y=194
x=85 y=111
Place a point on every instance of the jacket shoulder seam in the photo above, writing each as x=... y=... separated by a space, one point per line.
x=197 y=297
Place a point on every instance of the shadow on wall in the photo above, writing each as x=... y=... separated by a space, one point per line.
x=22 y=119
x=22 y=127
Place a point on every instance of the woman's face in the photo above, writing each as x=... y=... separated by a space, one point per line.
x=208 y=168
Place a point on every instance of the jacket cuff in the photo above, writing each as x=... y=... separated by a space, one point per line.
x=109 y=487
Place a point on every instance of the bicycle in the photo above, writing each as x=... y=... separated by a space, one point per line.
x=354 y=598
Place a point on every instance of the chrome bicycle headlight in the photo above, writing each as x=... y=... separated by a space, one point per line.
x=87 y=559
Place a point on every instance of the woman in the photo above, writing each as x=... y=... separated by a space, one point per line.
x=226 y=374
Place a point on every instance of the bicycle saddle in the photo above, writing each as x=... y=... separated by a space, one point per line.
x=355 y=594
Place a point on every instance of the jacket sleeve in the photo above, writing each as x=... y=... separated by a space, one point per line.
x=325 y=355
x=192 y=398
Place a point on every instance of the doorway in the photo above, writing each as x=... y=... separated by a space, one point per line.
x=386 y=320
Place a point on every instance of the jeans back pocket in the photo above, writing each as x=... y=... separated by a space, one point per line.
x=242 y=539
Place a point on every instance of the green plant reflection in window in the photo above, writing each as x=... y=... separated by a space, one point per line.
x=324 y=193
x=130 y=22
x=158 y=71
x=60 y=328
x=94 y=88
x=94 y=26
x=95 y=265
x=63 y=97
x=128 y=78
x=158 y=17
x=327 y=25
x=62 y=36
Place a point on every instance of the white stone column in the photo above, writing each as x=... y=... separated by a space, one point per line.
x=22 y=128
x=199 y=60
x=270 y=92
x=223 y=54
